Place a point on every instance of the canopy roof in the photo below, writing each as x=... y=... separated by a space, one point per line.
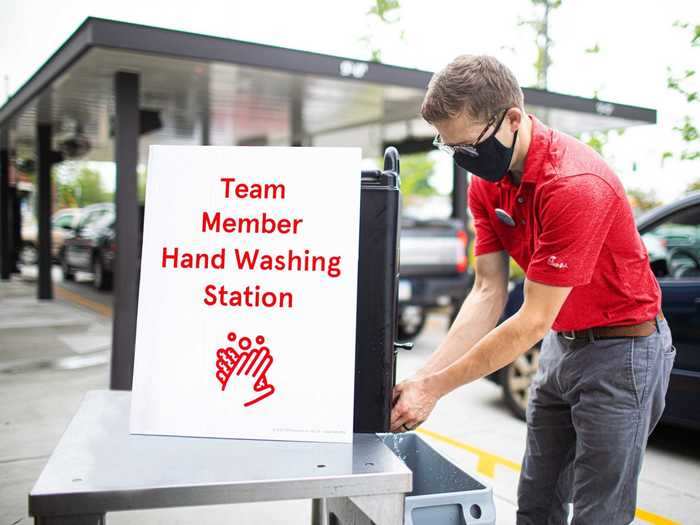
x=203 y=89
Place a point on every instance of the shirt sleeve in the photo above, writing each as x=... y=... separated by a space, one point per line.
x=486 y=238
x=576 y=213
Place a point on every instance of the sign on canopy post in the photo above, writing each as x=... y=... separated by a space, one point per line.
x=248 y=290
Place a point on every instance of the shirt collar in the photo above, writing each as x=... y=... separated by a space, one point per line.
x=536 y=155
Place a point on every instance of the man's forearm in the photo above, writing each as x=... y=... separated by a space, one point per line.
x=478 y=315
x=495 y=350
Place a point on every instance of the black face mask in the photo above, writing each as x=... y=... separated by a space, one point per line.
x=494 y=158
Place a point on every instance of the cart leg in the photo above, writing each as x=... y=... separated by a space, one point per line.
x=319 y=511
x=383 y=509
x=342 y=511
x=82 y=519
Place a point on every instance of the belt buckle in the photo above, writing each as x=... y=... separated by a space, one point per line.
x=572 y=332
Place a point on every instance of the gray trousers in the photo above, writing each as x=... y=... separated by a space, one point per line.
x=592 y=406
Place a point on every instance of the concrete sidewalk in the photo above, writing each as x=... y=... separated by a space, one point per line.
x=51 y=352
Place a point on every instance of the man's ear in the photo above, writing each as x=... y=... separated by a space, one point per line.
x=514 y=117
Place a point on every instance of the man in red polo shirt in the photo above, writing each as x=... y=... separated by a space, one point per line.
x=557 y=208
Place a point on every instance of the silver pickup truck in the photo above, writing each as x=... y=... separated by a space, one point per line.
x=433 y=271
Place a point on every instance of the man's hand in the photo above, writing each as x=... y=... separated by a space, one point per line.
x=414 y=400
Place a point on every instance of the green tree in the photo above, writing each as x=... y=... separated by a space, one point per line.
x=643 y=200
x=686 y=85
x=597 y=139
x=65 y=197
x=693 y=186
x=385 y=13
x=88 y=189
x=540 y=25
x=141 y=177
x=416 y=171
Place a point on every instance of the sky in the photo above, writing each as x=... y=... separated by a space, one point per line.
x=638 y=43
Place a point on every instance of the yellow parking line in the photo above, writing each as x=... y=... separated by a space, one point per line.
x=486 y=465
x=487 y=462
x=655 y=519
x=76 y=298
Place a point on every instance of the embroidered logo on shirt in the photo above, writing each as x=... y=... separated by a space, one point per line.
x=552 y=261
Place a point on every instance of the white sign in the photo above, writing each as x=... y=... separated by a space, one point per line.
x=247 y=301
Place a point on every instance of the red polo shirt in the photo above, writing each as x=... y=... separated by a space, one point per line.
x=573 y=227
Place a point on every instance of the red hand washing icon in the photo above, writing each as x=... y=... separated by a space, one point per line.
x=249 y=366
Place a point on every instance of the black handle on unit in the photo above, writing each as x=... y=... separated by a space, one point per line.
x=403 y=346
x=391 y=159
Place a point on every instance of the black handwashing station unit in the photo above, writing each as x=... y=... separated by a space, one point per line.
x=442 y=493
x=377 y=285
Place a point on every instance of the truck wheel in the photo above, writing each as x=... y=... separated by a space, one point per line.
x=516 y=379
x=103 y=278
x=67 y=271
x=411 y=321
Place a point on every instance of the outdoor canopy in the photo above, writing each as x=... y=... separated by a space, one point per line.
x=114 y=88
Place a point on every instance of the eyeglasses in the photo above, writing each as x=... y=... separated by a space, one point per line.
x=468 y=149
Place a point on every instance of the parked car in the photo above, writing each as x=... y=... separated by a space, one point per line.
x=61 y=222
x=90 y=246
x=433 y=271
x=671 y=234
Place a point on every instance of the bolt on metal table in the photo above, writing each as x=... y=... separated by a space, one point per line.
x=98 y=467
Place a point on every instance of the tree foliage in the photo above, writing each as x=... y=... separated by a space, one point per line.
x=540 y=25
x=386 y=10
x=82 y=190
x=141 y=177
x=693 y=186
x=685 y=83
x=643 y=200
x=384 y=13
x=416 y=171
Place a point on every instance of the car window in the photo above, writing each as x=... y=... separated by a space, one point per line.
x=105 y=221
x=91 y=217
x=675 y=244
x=64 y=221
x=86 y=219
